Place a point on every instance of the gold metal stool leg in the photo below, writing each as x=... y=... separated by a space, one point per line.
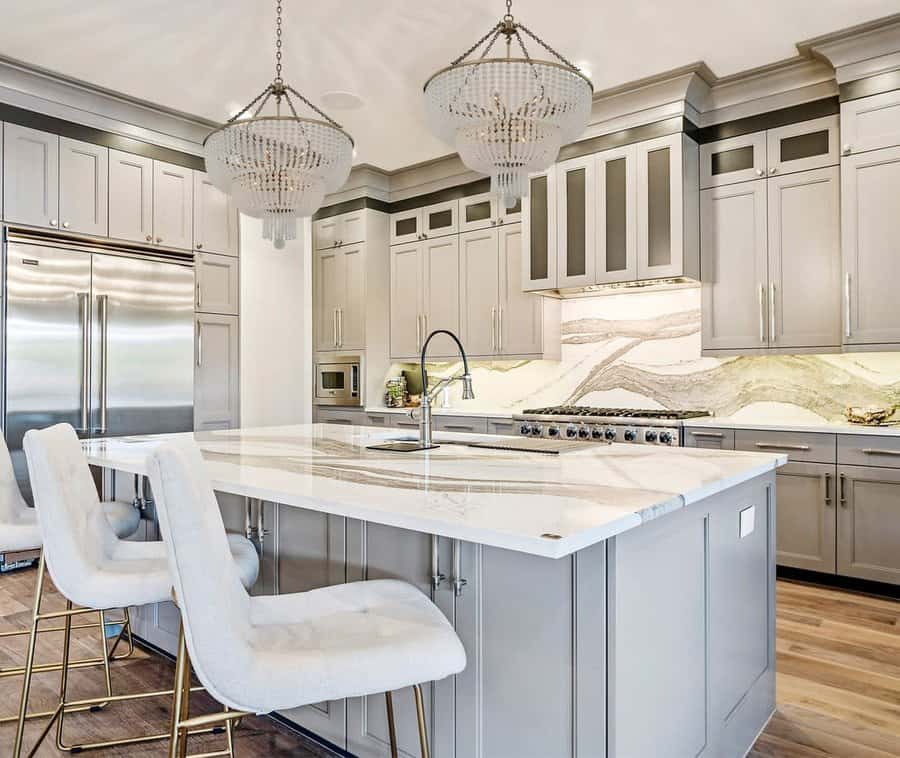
x=420 y=716
x=29 y=659
x=392 y=730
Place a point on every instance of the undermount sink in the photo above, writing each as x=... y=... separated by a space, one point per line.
x=411 y=444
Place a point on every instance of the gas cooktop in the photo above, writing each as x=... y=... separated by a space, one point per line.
x=620 y=413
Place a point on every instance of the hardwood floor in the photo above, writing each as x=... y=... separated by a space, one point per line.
x=838 y=683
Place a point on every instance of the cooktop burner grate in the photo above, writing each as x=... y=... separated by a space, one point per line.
x=584 y=410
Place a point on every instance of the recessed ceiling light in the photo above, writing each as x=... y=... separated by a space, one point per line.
x=339 y=100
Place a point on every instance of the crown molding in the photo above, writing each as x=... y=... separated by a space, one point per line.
x=861 y=51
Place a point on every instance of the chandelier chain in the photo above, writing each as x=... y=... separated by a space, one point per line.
x=495 y=28
x=278 y=41
x=546 y=46
x=319 y=111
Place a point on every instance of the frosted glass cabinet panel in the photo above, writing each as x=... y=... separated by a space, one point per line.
x=804 y=146
x=616 y=215
x=539 y=229
x=738 y=159
x=576 y=215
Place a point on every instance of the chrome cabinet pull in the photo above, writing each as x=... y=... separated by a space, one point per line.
x=500 y=329
x=199 y=295
x=847 y=329
x=762 y=313
x=66 y=225
x=779 y=446
x=773 y=331
x=103 y=308
x=843 y=493
x=493 y=328
x=340 y=327
x=425 y=326
x=714 y=435
x=458 y=581
x=418 y=332
x=827 y=478
x=873 y=451
x=334 y=328
x=84 y=311
x=199 y=343
x=436 y=576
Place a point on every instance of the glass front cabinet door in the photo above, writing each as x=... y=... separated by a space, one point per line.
x=576 y=216
x=738 y=159
x=616 y=215
x=539 y=232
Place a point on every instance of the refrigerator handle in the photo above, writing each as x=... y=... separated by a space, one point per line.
x=103 y=312
x=84 y=312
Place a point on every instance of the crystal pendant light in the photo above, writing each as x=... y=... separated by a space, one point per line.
x=508 y=117
x=278 y=167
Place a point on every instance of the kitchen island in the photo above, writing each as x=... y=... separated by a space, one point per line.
x=614 y=600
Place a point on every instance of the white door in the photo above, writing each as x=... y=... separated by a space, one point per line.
x=804 y=146
x=406 y=300
x=870 y=123
x=130 y=197
x=173 y=191
x=440 y=219
x=406 y=226
x=477 y=212
x=215 y=218
x=326 y=232
x=217 y=286
x=870 y=224
x=616 y=215
x=576 y=217
x=736 y=159
x=30 y=176
x=734 y=266
x=83 y=187
x=440 y=293
x=352 y=315
x=329 y=277
x=660 y=199
x=539 y=230
x=520 y=320
x=216 y=373
x=352 y=227
x=805 y=259
x=479 y=284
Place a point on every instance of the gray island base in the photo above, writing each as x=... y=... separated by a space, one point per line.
x=655 y=640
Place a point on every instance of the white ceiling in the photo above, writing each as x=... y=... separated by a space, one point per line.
x=210 y=57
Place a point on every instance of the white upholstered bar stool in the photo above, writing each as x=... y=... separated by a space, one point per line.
x=19 y=533
x=262 y=654
x=91 y=567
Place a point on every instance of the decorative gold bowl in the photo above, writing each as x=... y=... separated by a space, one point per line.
x=870 y=414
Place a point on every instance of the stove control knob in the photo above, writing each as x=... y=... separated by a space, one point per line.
x=650 y=436
x=584 y=432
x=597 y=433
x=610 y=433
x=665 y=438
x=553 y=431
x=537 y=430
x=571 y=431
x=630 y=435
x=525 y=429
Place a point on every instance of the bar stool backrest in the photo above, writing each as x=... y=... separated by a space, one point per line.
x=11 y=501
x=77 y=536
x=215 y=607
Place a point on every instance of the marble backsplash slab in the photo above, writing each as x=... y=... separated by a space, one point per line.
x=643 y=350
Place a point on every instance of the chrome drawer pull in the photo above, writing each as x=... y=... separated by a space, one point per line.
x=714 y=435
x=777 y=446
x=827 y=489
x=873 y=451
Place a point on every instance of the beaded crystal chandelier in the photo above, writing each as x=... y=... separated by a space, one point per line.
x=278 y=167
x=508 y=117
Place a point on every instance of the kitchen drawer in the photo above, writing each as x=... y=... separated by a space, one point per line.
x=708 y=437
x=469 y=424
x=867 y=450
x=403 y=421
x=814 y=448
x=377 y=419
x=502 y=426
x=344 y=416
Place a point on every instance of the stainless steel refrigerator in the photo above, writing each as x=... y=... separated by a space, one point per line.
x=97 y=337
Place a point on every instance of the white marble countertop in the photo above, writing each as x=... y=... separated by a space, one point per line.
x=824 y=427
x=444 y=412
x=500 y=498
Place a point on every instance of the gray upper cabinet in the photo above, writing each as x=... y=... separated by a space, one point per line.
x=218 y=285
x=215 y=218
x=870 y=227
x=340 y=289
x=803 y=146
x=576 y=216
x=83 y=187
x=438 y=220
x=807 y=516
x=870 y=123
x=216 y=372
x=616 y=224
x=737 y=159
x=805 y=259
x=173 y=201
x=539 y=229
x=343 y=229
x=130 y=197
x=735 y=266
x=30 y=176
x=406 y=306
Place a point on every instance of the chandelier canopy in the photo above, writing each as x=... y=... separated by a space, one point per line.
x=508 y=117
x=279 y=167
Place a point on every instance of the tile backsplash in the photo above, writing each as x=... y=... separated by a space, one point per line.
x=643 y=350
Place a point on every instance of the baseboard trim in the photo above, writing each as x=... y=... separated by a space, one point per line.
x=863 y=586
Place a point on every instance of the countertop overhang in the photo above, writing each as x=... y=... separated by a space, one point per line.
x=546 y=505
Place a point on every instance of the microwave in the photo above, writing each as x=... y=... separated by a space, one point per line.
x=337 y=382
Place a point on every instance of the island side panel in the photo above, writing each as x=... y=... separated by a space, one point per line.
x=691 y=628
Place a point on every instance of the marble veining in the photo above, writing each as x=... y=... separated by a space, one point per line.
x=502 y=498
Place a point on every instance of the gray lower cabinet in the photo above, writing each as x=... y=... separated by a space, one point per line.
x=868 y=545
x=216 y=372
x=504 y=426
x=343 y=416
x=712 y=439
x=807 y=519
x=468 y=424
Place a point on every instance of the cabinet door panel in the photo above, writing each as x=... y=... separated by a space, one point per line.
x=352 y=228
x=326 y=232
x=30 y=176
x=520 y=322
x=477 y=212
x=539 y=229
x=406 y=226
x=216 y=372
x=83 y=187
x=738 y=159
x=616 y=216
x=406 y=300
x=806 y=516
x=173 y=193
x=440 y=219
x=870 y=228
x=352 y=316
x=440 y=292
x=130 y=197
x=805 y=259
x=869 y=523
x=479 y=277
x=804 y=146
x=329 y=283
x=218 y=285
x=576 y=217
x=870 y=123
x=215 y=218
x=734 y=266
x=660 y=202
x=711 y=439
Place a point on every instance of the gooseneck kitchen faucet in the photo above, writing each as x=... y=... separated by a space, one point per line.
x=425 y=438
